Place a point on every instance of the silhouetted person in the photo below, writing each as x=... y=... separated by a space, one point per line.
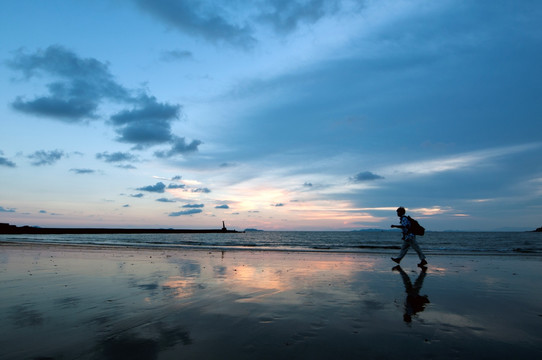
x=409 y=239
x=414 y=302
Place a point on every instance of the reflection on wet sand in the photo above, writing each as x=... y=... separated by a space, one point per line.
x=62 y=302
x=414 y=302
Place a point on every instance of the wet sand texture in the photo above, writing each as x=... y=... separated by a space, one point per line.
x=65 y=302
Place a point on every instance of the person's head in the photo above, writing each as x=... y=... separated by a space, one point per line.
x=401 y=211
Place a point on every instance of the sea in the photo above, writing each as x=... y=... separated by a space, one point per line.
x=382 y=242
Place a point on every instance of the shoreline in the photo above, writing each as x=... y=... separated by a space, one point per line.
x=105 y=302
x=254 y=248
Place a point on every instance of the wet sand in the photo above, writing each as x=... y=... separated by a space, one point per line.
x=72 y=302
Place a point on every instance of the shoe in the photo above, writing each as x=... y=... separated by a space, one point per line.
x=396 y=260
x=422 y=263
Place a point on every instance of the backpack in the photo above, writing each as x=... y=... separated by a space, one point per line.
x=415 y=227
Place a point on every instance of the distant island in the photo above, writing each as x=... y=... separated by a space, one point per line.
x=13 y=229
x=538 y=230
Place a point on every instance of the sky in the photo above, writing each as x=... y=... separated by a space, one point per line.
x=274 y=115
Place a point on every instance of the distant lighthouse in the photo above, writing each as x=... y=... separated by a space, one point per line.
x=224 y=226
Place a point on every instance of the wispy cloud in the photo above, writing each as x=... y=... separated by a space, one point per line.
x=5 y=162
x=43 y=157
x=201 y=20
x=459 y=161
x=83 y=171
x=2 y=209
x=176 y=55
x=186 y=212
x=366 y=176
x=116 y=157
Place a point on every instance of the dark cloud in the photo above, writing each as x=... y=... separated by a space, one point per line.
x=176 y=178
x=176 y=186
x=227 y=164
x=126 y=205
x=180 y=147
x=80 y=85
x=307 y=184
x=201 y=190
x=83 y=171
x=116 y=157
x=148 y=123
x=176 y=55
x=5 y=162
x=128 y=167
x=222 y=206
x=159 y=187
x=215 y=24
x=366 y=176
x=43 y=157
x=186 y=212
x=2 y=209
x=166 y=200
x=194 y=206
x=199 y=19
x=278 y=205
x=140 y=195
x=285 y=15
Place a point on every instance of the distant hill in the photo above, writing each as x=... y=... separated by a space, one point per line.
x=538 y=230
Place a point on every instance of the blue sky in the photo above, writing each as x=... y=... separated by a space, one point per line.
x=276 y=115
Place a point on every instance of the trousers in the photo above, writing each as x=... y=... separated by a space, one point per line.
x=410 y=241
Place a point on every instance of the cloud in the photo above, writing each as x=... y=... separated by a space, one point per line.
x=286 y=16
x=175 y=55
x=179 y=147
x=80 y=85
x=43 y=157
x=166 y=200
x=128 y=167
x=278 y=205
x=193 y=206
x=201 y=190
x=222 y=206
x=186 y=212
x=2 y=209
x=215 y=24
x=116 y=157
x=159 y=187
x=140 y=195
x=366 y=176
x=83 y=171
x=147 y=124
x=6 y=162
x=176 y=186
x=199 y=19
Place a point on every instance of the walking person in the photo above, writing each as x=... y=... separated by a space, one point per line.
x=409 y=239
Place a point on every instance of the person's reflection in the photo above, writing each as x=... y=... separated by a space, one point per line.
x=414 y=302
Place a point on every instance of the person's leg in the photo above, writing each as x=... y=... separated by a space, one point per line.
x=416 y=248
x=404 y=249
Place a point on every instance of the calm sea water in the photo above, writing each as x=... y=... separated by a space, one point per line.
x=491 y=243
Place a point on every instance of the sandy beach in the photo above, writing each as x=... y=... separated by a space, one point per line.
x=89 y=302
